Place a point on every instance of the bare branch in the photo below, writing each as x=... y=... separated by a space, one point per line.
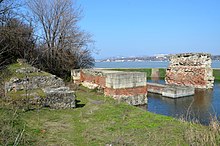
x=63 y=41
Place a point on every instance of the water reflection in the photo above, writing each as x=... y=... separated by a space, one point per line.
x=200 y=107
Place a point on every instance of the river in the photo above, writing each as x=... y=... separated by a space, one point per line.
x=201 y=107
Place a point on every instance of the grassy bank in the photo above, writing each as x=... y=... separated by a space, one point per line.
x=100 y=120
x=162 y=71
x=148 y=71
x=97 y=120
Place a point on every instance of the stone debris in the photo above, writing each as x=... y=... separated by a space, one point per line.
x=57 y=95
x=58 y=98
x=190 y=69
x=27 y=70
x=33 y=82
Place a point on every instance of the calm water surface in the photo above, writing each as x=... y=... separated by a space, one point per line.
x=203 y=105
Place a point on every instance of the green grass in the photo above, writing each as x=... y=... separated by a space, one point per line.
x=100 y=120
x=216 y=73
x=146 y=70
x=21 y=94
x=162 y=71
x=11 y=71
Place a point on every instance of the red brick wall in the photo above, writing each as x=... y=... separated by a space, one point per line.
x=126 y=91
x=100 y=80
x=189 y=76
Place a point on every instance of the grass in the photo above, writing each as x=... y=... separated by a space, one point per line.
x=12 y=128
x=216 y=73
x=100 y=120
x=23 y=94
x=162 y=71
x=11 y=71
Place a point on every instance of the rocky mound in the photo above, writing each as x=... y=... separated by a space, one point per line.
x=31 y=86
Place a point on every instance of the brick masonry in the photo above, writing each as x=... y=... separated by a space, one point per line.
x=91 y=78
x=190 y=69
x=123 y=86
x=126 y=91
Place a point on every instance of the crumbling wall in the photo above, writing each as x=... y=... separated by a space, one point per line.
x=75 y=76
x=190 y=69
x=123 y=86
x=30 y=79
x=93 y=78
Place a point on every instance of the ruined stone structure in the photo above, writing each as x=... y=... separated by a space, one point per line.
x=123 y=86
x=190 y=69
x=57 y=98
x=30 y=79
x=172 y=91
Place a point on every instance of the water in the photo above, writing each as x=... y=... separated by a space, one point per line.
x=146 y=64
x=200 y=107
x=203 y=105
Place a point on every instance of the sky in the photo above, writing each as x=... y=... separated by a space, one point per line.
x=149 y=27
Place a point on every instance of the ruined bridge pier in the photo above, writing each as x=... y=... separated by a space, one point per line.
x=186 y=72
x=124 y=86
x=190 y=69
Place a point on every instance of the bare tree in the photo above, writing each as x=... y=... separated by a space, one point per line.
x=15 y=35
x=62 y=40
x=5 y=6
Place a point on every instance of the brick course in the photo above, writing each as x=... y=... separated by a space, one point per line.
x=124 y=86
x=190 y=69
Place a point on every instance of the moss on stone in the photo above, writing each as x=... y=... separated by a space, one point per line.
x=22 y=94
x=11 y=70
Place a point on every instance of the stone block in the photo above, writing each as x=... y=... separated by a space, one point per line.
x=75 y=75
x=123 y=86
x=174 y=91
x=125 y=80
x=59 y=98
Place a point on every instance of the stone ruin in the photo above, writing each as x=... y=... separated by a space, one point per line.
x=190 y=69
x=31 y=79
x=129 y=87
x=171 y=91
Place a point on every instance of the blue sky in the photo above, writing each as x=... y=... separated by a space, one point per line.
x=149 y=27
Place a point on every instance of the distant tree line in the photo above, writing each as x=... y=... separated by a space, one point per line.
x=49 y=37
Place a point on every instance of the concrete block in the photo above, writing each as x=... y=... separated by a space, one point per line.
x=178 y=91
x=125 y=80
